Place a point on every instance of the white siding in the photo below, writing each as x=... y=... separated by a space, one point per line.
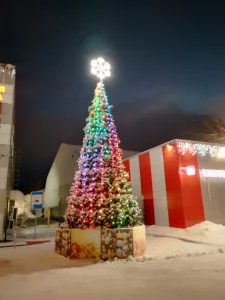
x=7 y=98
x=3 y=178
x=5 y=134
x=213 y=189
x=135 y=179
x=159 y=187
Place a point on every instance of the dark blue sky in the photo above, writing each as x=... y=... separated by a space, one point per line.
x=168 y=64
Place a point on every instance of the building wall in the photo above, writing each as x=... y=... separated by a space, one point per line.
x=148 y=181
x=191 y=195
x=173 y=197
x=7 y=86
x=203 y=197
x=213 y=189
x=61 y=176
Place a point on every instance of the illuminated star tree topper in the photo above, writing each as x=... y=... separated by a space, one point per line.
x=100 y=68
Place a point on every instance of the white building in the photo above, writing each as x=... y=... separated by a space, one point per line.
x=182 y=183
x=7 y=87
x=61 y=176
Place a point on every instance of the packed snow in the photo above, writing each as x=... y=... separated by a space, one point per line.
x=205 y=232
x=173 y=268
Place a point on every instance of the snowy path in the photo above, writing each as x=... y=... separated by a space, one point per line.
x=36 y=272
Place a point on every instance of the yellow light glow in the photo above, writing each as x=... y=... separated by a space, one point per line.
x=2 y=89
x=221 y=153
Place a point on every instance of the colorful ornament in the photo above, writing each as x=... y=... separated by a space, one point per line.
x=101 y=194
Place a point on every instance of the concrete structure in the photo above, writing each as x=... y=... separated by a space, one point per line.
x=7 y=87
x=61 y=174
x=18 y=198
x=27 y=200
x=182 y=183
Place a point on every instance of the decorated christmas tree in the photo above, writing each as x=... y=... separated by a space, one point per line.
x=101 y=193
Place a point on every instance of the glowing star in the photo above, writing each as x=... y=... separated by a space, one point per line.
x=100 y=68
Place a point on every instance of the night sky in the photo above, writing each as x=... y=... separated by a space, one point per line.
x=168 y=66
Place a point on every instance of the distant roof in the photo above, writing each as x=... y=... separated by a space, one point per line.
x=177 y=141
x=73 y=147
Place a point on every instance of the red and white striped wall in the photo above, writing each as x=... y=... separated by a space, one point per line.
x=170 y=198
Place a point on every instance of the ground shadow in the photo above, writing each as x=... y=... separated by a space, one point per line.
x=39 y=263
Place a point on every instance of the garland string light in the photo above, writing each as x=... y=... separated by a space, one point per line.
x=201 y=149
x=101 y=193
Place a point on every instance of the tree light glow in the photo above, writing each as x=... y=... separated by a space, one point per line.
x=101 y=191
x=100 y=68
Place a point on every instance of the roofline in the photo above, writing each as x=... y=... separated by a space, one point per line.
x=197 y=142
x=172 y=141
x=75 y=146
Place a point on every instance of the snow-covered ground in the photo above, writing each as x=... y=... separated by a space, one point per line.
x=205 y=232
x=173 y=269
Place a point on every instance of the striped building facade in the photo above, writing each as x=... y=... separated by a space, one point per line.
x=182 y=183
x=7 y=87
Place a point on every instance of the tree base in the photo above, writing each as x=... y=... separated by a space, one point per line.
x=99 y=243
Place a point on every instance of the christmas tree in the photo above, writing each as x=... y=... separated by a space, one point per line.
x=101 y=193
